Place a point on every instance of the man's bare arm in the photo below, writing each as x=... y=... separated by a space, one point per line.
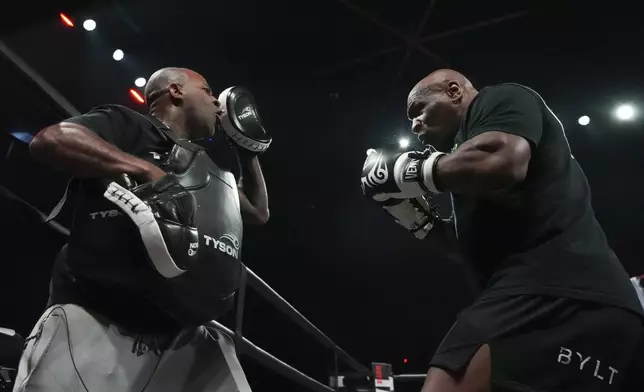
x=488 y=162
x=253 y=195
x=78 y=151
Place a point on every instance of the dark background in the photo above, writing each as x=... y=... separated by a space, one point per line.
x=330 y=78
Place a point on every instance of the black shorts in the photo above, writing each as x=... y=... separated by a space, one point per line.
x=547 y=344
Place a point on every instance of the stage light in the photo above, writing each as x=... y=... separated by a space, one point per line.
x=66 y=20
x=584 y=120
x=137 y=97
x=89 y=25
x=118 y=55
x=140 y=82
x=403 y=142
x=625 y=112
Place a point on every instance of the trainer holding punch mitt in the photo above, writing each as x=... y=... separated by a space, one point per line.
x=155 y=245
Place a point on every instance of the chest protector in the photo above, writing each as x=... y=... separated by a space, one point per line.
x=106 y=244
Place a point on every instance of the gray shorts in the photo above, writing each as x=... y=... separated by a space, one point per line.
x=73 y=350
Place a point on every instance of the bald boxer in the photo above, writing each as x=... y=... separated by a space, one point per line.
x=557 y=311
x=114 y=323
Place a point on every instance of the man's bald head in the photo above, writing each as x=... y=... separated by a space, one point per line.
x=161 y=80
x=436 y=106
x=182 y=96
x=438 y=82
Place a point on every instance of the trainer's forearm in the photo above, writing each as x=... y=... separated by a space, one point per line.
x=254 y=188
x=76 y=150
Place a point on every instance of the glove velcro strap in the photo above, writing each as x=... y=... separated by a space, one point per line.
x=429 y=167
x=413 y=171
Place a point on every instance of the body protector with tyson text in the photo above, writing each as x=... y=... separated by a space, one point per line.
x=190 y=224
x=186 y=229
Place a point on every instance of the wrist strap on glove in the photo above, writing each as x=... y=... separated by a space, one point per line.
x=420 y=168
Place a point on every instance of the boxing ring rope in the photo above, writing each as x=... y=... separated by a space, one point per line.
x=58 y=99
x=274 y=298
x=249 y=278
x=52 y=223
x=270 y=361
x=410 y=377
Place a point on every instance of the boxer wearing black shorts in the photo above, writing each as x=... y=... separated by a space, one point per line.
x=557 y=311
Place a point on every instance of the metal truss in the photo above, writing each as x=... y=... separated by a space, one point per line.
x=410 y=43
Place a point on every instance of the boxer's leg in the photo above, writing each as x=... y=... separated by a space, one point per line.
x=201 y=360
x=71 y=349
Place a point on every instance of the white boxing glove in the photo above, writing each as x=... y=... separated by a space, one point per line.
x=395 y=182
x=399 y=176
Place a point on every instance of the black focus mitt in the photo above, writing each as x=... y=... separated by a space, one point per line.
x=241 y=121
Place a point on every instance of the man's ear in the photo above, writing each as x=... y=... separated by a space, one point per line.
x=176 y=92
x=454 y=91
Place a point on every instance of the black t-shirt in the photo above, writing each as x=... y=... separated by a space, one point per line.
x=106 y=268
x=540 y=236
